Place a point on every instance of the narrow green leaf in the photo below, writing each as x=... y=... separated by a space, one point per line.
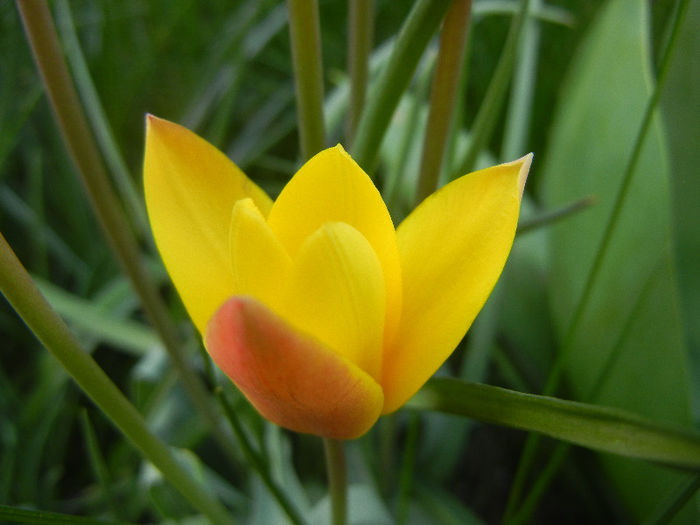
x=681 y=112
x=597 y=427
x=485 y=120
x=594 y=133
x=129 y=335
x=40 y=517
x=415 y=34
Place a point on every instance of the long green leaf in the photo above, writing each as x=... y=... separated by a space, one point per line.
x=601 y=259
x=600 y=428
x=37 y=517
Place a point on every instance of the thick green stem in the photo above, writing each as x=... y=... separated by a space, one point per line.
x=21 y=292
x=337 y=479
x=360 y=25
x=305 y=36
x=74 y=129
x=443 y=96
x=415 y=34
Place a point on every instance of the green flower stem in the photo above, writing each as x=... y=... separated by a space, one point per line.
x=444 y=94
x=337 y=479
x=305 y=36
x=258 y=462
x=485 y=119
x=73 y=126
x=557 y=371
x=415 y=34
x=360 y=30
x=21 y=292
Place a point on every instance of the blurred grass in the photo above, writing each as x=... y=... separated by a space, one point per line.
x=225 y=71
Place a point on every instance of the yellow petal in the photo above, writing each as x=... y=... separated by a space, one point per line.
x=291 y=378
x=453 y=248
x=258 y=261
x=191 y=188
x=336 y=293
x=331 y=187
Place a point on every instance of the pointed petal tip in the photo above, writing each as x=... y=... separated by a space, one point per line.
x=524 y=163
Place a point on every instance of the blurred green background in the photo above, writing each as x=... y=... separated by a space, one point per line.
x=584 y=73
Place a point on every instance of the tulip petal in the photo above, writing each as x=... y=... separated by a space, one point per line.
x=258 y=260
x=191 y=188
x=331 y=187
x=336 y=293
x=453 y=248
x=291 y=378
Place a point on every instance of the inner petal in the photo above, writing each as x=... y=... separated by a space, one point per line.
x=335 y=291
x=331 y=187
x=258 y=261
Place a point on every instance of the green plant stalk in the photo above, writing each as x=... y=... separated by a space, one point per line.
x=74 y=129
x=415 y=34
x=485 y=119
x=443 y=95
x=337 y=479
x=258 y=462
x=360 y=35
x=600 y=428
x=21 y=292
x=100 y=123
x=557 y=370
x=305 y=36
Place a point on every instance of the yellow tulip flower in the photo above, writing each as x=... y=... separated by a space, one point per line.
x=322 y=313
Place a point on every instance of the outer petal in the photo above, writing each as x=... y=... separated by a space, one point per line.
x=191 y=188
x=332 y=187
x=258 y=261
x=453 y=248
x=291 y=378
x=336 y=293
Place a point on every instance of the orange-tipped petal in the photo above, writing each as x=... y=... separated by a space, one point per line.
x=191 y=188
x=292 y=379
x=453 y=248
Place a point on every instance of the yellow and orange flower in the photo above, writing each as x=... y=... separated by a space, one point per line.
x=322 y=313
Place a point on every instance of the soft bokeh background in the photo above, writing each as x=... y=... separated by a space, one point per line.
x=223 y=69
